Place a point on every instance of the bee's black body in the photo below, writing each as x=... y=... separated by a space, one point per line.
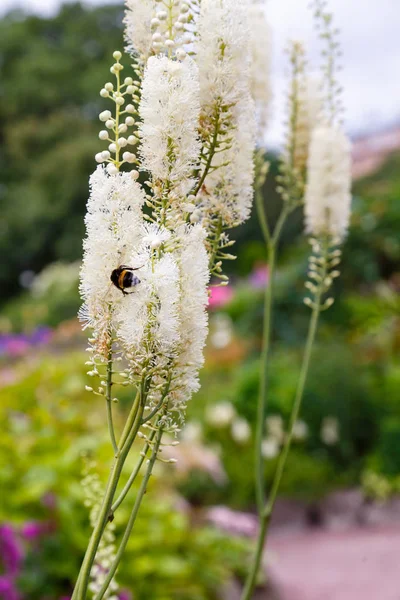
x=124 y=278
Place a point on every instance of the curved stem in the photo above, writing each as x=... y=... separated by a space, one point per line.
x=273 y=241
x=211 y=152
x=132 y=518
x=109 y=401
x=262 y=215
x=134 y=474
x=268 y=509
x=131 y=428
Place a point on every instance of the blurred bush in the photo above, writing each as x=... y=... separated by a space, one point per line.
x=51 y=71
x=47 y=422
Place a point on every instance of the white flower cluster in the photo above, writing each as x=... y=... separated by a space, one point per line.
x=153 y=27
x=309 y=114
x=162 y=320
x=170 y=111
x=328 y=190
x=260 y=67
x=228 y=115
x=150 y=247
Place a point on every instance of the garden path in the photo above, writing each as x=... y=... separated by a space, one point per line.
x=358 y=564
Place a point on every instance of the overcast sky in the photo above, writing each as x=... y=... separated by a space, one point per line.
x=370 y=35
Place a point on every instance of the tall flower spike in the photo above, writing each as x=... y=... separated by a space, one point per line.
x=170 y=111
x=260 y=68
x=230 y=186
x=227 y=109
x=309 y=116
x=155 y=27
x=138 y=28
x=328 y=190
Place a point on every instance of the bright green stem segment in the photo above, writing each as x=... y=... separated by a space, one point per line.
x=267 y=510
x=127 y=439
x=132 y=518
x=110 y=422
x=262 y=399
x=272 y=241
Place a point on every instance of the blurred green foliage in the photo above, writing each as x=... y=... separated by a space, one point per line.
x=51 y=70
x=47 y=423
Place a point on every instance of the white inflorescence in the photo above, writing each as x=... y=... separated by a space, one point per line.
x=170 y=112
x=194 y=122
x=232 y=184
x=223 y=51
x=138 y=33
x=113 y=222
x=260 y=68
x=156 y=27
x=328 y=195
x=309 y=115
x=223 y=55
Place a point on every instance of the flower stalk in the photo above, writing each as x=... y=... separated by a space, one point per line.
x=268 y=507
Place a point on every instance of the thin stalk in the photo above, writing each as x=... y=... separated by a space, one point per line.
x=131 y=428
x=262 y=215
x=109 y=401
x=211 y=153
x=268 y=509
x=262 y=397
x=272 y=244
x=134 y=474
x=132 y=518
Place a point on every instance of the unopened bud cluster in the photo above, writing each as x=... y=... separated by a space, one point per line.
x=322 y=271
x=120 y=131
x=171 y=27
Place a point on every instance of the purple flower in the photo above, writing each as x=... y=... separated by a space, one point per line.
x=125 y=595
x=10 y=551
x=31 y=530
x=41 y=335
x=17 y=345
x=8 y=590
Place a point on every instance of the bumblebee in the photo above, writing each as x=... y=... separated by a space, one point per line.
x=124 y=278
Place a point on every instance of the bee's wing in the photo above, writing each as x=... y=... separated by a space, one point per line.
x=130 y=268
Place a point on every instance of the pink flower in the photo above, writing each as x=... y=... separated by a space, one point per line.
x=220 y=296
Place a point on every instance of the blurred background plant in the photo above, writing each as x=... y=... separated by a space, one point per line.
x=50 y=71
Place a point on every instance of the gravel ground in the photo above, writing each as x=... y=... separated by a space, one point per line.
x=358 y=564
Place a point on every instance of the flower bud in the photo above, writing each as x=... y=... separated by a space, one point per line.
x=105 y=115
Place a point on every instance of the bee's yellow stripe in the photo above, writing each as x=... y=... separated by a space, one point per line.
x=121 y=279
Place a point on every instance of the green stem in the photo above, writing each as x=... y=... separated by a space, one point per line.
x=262 y=397
x=211 y=152
x=109 y=401
x=268 y=509
x=134 y=474
x=105 y=514
x=272 y=244
x=132 y=518
x=262 y=215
